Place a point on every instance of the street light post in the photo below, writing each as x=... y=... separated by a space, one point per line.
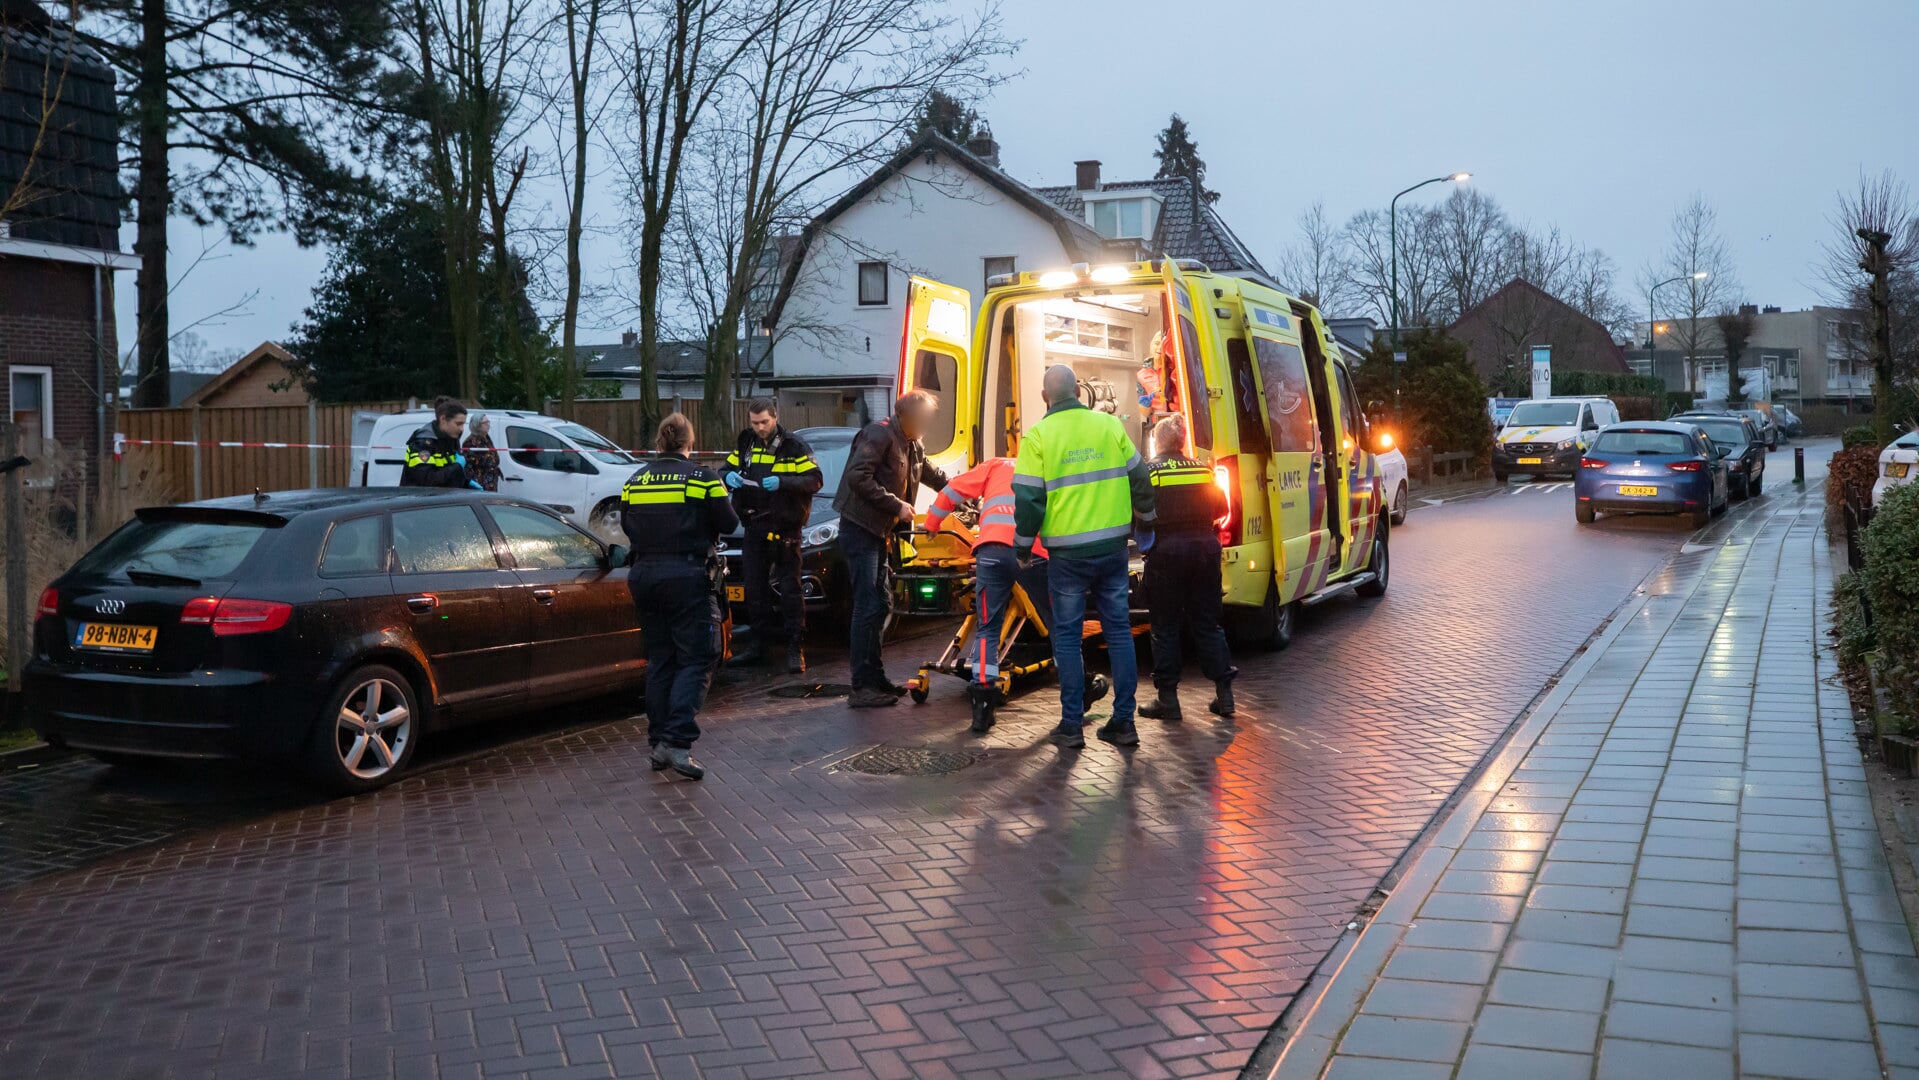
x=1392 y=241
x=1652 y=322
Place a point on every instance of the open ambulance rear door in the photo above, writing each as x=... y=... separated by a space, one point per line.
x=936 y=356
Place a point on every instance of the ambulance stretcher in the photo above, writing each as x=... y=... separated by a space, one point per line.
x=935 y=576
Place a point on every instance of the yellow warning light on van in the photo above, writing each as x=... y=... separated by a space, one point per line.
x=1057 y=279
x=1112 y=275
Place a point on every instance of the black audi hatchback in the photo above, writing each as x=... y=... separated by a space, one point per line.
x=327 y=629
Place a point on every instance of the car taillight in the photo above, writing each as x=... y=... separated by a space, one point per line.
x=1593 y=463
x=1686 y=466
x=1226 y=475
x=229 y=617
x=50 y=602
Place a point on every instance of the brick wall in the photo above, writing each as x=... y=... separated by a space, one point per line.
x=46 y=320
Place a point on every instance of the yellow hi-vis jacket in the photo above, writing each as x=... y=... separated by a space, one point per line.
x=1079 y=484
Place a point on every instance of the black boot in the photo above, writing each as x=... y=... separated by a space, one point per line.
x=1223 y=695
x=795 y=659
x=982 y=709
x=1166 y=708
x=1118 y=735
x=678 y=759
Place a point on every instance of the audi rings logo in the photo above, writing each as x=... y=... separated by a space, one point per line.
x=110 y=607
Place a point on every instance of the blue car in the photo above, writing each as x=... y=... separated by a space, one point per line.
x=1651 y=467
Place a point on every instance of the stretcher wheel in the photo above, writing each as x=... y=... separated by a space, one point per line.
x=918 y=692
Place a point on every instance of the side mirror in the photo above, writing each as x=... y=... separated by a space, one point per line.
x=618 y=555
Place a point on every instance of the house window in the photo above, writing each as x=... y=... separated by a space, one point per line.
x=30 y=406
x=1120 y=219
x=872 y=284
x=997 y=265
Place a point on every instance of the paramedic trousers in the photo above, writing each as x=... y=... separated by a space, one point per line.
x=866 y=573
x=770 y=564
x=1182 y=589
x=1073 y=583
x=680 y=626
x=995 y=568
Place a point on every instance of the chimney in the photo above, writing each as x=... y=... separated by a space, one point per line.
x=1086 y=175
x=1749 y=309
x=1769 y=309
x=629 y=339
x=983 y=147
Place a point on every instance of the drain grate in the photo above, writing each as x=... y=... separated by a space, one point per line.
x=811 y=690
x=907 y=761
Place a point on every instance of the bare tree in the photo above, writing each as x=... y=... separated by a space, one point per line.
x=1314 y=265
x=824 y=88
x=1872 y=264
x=1590 y=287
x=1368 y=266
x=1735 y=326
x=51 y=83
x=473 y=59
x=1473 y=241
x=681 y=52
x=580 y=22
x=1696 y=255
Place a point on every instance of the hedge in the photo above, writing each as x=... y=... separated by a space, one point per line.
x=1606 y=384
x=1890 y=584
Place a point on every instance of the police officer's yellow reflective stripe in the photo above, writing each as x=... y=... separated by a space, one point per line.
x=733 y=459
x=413 y=458
x=705 y=489
x=1180 y=477
x=800 y=466
x=653 y=496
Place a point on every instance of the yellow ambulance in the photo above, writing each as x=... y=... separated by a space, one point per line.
x=1264 y=388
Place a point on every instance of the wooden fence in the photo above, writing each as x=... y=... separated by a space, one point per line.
x=210 y=471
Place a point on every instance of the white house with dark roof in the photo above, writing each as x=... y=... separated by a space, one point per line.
x=942 y=211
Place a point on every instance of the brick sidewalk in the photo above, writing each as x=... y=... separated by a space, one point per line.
x=1673 y=870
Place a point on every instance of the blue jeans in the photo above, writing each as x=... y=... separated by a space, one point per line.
x=995 y=568
x=1102 y=579
x=866 y=578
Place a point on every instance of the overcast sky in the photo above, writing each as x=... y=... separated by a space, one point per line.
x=1598 y=117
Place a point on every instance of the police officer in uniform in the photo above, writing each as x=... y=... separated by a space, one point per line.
x=1182 y=573
x=773 y=477
x=433 y=455
x=674 y=514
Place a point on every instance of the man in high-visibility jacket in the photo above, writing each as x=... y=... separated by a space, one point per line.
x=996 y=567
x=1079 y=486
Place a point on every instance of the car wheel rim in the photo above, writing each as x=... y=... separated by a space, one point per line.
x=606 y=525
x=371 y=732
x=1380 y=564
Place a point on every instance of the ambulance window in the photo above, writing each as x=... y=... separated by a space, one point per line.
x=936 y=373
x=1245 y=395
x=1289 y=409
x=1349 y=409
x=1195 y=388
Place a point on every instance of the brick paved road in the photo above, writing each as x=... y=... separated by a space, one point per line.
x=554 y=908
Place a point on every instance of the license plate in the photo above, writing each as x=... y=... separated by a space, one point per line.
x=119 y=637
x=1636 y=489
x=1530 y=460
x=1896 y=470
x=736 y=594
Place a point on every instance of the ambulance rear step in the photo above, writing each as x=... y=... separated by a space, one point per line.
x=1339 y=588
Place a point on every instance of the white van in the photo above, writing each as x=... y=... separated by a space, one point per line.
x=1548 y=435
x=569 y=467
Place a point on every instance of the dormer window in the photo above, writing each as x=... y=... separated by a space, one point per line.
x=1120 y=219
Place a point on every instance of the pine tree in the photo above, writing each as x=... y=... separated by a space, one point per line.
x=1178 y=156
x=950 y=117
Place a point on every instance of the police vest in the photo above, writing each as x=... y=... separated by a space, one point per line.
x=1080 y=459
x=674 y=507
x=1187 y=498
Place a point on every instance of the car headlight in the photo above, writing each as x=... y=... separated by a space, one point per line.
x=1569 y=444
x=822 y=534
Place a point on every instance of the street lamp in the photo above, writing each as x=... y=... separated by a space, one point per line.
x=1392 y=230
x=1652 y=322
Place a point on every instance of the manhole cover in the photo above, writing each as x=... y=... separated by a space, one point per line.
x=907 y=761
x=811 y=690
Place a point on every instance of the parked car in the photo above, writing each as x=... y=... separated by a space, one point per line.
x=1734 y=433
x=1651 y=467
x=1392 y=468
x=1547 y=435
x=1789 y=423
x=328 y=629
x=1898 y=464
x=1768 y=427
x=822 y=567
x=567 y=467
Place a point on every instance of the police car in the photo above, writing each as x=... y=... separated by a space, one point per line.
x=1547 y=435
